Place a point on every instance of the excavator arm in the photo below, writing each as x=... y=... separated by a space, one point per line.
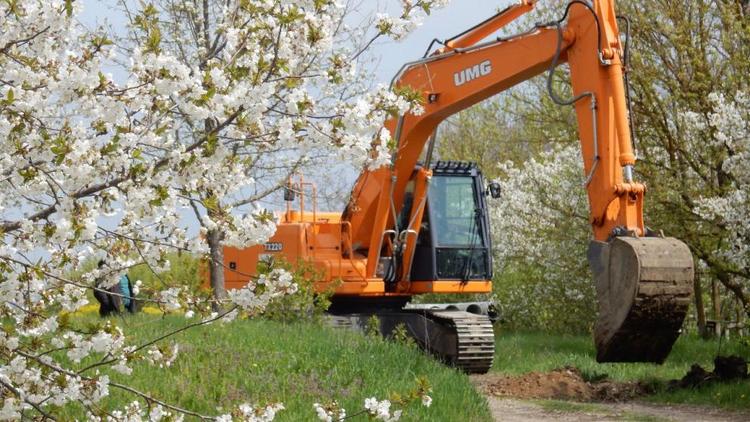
x=643 y=282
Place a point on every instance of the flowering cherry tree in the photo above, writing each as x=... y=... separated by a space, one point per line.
x=263 y=87
x=729 y=128
x=540 y=231
x=95 y=169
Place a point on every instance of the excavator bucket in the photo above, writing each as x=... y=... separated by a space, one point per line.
x=643 y=288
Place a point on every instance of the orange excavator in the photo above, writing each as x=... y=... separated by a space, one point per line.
x=417 y=227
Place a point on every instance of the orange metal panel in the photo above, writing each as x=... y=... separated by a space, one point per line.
x=290 y=238
x=611 y=205
x=372 y=287
x=492 y=25
x=447 y=286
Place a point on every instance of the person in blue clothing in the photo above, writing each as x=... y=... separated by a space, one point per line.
x=126 y=289
x=113 y=299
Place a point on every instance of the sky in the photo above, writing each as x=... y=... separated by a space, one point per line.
x=443 y=23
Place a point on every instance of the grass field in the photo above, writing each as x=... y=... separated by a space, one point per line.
x=261 y=362
x=518 y=353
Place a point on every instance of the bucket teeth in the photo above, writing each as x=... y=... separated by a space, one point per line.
x=643 y=290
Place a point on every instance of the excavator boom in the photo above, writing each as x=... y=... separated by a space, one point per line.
x=643 y=282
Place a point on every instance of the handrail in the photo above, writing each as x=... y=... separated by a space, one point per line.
x=351 y=249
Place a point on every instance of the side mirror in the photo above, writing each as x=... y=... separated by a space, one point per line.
x=494 y=189
x=288 y=193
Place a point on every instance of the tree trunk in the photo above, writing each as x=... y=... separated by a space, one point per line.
x=716 y=304
x=700 y=310
x=740 y=319
x=216 y=267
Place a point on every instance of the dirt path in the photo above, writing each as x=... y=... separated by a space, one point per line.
x=563 y=395
x=515 y=410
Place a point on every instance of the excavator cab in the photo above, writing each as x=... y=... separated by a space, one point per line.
x=454 y=240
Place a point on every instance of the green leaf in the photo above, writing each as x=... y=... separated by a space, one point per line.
x=28 y=173
x=210 y=92
x=162 y=193
x=60 y=147
x=110 y=147
x=49 y=230
x=211 y=203
x=209 y=148
x=69 y=8
x=161 y=130
x=100 y=41
x=150 y=11
x=153 y=40
x=100 y=127
x=102 y=81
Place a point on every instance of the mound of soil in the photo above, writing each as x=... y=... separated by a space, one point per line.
x=726 y=368
x=559 y=384
x=568 y=383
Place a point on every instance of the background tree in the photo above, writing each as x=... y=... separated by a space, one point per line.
x=686 y=54
x=302 y=60
x=540 y=231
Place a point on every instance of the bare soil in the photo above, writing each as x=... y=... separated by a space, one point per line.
x=560 y=384
x=511 y=399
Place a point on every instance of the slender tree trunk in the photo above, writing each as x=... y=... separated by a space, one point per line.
x=700 y=310
x=216 y=267
x=716 y=305
x=740 y=319
x=215 y=236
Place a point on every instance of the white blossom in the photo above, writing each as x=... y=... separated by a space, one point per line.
x=426 y=400
x=541 y=221
x=163 y=357
x=329 y=413
x=730 y=129
x=381 y=410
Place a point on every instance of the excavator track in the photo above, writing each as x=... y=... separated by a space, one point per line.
x=475 y=340
x=459 y=338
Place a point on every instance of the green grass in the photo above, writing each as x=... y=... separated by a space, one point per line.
x=299 y=364
x=518 y=353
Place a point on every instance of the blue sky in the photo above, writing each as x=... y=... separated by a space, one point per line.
x=441 y=24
